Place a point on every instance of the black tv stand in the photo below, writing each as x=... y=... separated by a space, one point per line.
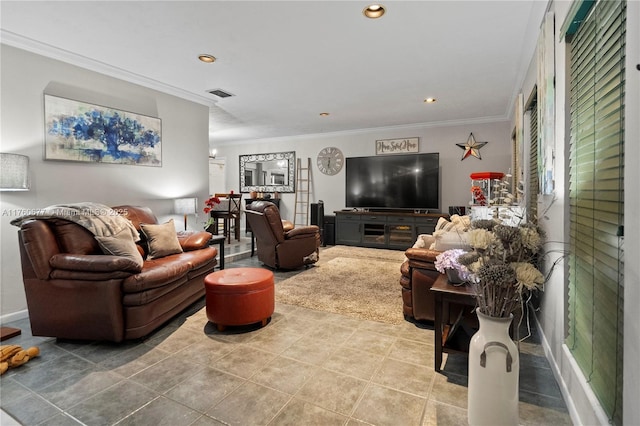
x=383 y=229
x=392 y=210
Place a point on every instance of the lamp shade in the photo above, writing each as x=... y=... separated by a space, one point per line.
x=184 y=205
x=14 y=172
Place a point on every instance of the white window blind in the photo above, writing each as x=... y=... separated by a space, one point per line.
x=596 y=170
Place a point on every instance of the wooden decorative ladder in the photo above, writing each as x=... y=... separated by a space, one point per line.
x=303 y=181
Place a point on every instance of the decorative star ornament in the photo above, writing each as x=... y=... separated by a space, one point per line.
x=471 y=147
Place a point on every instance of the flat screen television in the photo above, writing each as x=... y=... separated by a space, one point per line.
x=389 y=182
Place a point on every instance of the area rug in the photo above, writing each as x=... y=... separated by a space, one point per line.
x=353 y=281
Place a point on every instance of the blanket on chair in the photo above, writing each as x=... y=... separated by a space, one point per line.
x=98 y=219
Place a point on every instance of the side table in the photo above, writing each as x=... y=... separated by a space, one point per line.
x=219 y=239
x=446 y=293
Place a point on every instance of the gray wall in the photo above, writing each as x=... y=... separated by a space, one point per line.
x=454 y=173
x=184 y=172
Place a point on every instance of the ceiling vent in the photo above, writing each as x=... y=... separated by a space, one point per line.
x=220 y=93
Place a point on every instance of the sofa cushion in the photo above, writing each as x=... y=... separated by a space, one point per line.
x=121 y=244
x=158 y=273
x=161 y=239
x=73 y=238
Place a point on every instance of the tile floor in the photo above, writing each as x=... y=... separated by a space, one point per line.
x=304 y=368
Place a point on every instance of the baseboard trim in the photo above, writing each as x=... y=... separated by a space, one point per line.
x=574 y=370
x=14 y=316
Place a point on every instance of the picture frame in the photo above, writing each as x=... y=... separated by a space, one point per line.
x=397 y=146
x=85 y=132
x=546 y=106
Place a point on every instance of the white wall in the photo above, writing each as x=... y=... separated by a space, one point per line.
x=580 y=400
x=454 y=173
x=184 y=172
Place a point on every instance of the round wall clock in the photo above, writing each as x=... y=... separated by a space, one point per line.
x=330 y=160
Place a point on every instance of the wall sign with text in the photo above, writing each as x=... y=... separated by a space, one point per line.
x=396 y=146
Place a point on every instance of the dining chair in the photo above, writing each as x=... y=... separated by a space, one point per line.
x=228 y=211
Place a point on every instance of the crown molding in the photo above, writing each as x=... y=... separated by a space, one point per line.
x=444 y=123
x=11 y=39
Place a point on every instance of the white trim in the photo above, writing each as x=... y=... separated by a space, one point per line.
x=11 y=39
x=14 y=316
x=581 y=382
x=445 y=123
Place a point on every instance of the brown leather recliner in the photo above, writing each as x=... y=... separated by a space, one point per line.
x=418 y=275
x=279 y=248
x=74 y=291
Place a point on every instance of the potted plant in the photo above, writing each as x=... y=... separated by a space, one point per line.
x=503 y=272
x=447 y=263
x=209 y=205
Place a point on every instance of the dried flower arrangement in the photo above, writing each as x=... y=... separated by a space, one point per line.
x=502 y=265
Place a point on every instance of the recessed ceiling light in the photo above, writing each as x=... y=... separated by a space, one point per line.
x=430 y=100
x=374 y=11
x=324 y=114
x=207 y=58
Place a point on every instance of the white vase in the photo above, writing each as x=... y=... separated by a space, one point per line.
x=494 y=367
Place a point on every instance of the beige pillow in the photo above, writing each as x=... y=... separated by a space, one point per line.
x=424 y=241
x=451 y=240
x=442 y=222
x=162 y=239
x=462 y=223
x=121 y=244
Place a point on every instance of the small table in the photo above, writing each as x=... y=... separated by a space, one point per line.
x=219 y=239
x=446 y=293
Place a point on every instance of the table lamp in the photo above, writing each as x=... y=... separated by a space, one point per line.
x=185 y=206
x=14 y=172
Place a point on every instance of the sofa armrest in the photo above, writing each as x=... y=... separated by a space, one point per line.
x=301 y=232
x=193 y=240
x=422 y=254
x=93 y=263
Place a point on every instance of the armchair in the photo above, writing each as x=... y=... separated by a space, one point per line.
x=279 y=248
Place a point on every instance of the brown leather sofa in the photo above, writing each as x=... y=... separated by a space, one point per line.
x=74 y=291
x=279 y=248
x=418 y=273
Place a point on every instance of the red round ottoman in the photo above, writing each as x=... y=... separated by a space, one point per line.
x=239 y=296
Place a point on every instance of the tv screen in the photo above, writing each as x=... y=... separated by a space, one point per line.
x=394 y=182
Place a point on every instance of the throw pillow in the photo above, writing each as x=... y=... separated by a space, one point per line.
x=442 y=222
x=121 y=244
x=162 y=239
x=450 y=240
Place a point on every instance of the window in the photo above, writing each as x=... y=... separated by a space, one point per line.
x=534 y=184
x=596 y=198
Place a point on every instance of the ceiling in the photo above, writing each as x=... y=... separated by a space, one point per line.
x=286 y=62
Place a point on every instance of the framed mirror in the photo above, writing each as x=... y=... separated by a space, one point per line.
x=272 y=172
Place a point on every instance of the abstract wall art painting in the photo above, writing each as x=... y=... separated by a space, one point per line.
x=79 y=131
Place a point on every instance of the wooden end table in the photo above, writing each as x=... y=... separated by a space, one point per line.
x=219 y=239
x=446 y=293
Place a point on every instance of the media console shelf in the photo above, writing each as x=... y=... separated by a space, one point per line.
x=393 y=230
